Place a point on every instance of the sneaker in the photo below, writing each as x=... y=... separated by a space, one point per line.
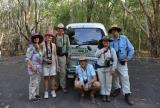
x=46 y=94
x=53 y=93
x=38 y=97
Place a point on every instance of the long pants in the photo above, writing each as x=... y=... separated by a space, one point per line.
x=62 y=73
x=34 y=85
x=123 y=77
x=105 y=79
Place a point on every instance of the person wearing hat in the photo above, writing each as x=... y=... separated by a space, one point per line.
x=86 y=79
x=63 y=44
x=50 y=64
x=125 y=52
x=106 y=65
x=34 y=62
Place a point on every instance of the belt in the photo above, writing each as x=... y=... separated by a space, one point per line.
x=98 y=66
x=61 y=55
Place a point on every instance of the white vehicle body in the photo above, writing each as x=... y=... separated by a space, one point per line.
x=86 y=37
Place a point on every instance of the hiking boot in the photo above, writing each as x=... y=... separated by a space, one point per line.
x=38 y=97
x=93 y=99
x=116 y=92
x=103 y=98
x=127 y=99
x=34 y=100
x=108 y=99
x=82 y=98
x=64 y=90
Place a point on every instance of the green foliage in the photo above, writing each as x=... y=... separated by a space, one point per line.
x=107 y=12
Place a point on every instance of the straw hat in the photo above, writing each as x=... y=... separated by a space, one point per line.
x=114 y=27
x=82 y=58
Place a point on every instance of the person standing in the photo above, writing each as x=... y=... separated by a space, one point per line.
x=125 y=52
x=106 y=65
x=34 y=62
x=63 y=44
x=50 y=64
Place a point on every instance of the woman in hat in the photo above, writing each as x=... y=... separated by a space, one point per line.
x=50 y=64
x=106 y=65
x=34 y=61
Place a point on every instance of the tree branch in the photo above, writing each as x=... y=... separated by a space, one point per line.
x=135 y=17
x=145 y=12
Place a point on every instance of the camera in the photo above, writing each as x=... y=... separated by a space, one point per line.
x=85 y=82
x=59 y=50
x=122 y=62
x=108 y=62
x=49 y=58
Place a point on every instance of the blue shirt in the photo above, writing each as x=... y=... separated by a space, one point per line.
x=87 y=74
x=123 y=47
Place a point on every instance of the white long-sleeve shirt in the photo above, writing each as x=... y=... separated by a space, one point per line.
x=111 y=53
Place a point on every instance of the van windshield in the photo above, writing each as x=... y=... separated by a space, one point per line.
x=86 y=36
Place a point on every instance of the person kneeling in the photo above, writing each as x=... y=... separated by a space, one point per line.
x=86 y=79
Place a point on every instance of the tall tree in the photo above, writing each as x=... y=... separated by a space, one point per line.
x=153 y=23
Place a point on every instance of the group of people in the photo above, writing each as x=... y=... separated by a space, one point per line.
x=47 y=59
x=112 y=71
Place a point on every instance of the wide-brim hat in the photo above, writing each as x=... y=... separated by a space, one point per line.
x=82 y=58
x=36 y=35
x=49 y=34
x=106 y=38
x=114 y=27
x=60 y=26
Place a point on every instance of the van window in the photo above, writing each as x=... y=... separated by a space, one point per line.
x=86 y=36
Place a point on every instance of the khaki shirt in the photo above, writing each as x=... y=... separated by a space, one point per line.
x=64 y=42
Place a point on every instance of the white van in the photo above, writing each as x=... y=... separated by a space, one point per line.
x=84 y=42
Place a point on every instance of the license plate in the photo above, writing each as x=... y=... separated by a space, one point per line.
x=70 y=76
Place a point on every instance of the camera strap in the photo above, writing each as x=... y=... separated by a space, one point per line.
x=117 y=52
x=62 y=40
x=47 y=50
x=83 y=74
x=107 y=51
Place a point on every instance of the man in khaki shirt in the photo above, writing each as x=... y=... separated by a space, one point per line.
x=63 y=44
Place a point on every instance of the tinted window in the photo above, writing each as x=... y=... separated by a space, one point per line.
x=86 y=36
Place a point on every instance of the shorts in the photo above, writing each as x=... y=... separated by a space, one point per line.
x=95 y=85
x=49 y=70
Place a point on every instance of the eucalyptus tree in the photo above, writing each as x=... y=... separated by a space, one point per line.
x=151 y=23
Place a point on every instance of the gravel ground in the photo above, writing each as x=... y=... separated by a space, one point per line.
x=144 y=77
